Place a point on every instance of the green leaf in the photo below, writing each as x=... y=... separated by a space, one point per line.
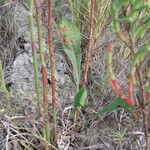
x=80 y=98
x=115 y=104
x=71 y=41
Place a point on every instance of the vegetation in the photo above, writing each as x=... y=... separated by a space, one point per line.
x=135 y=20
x=130 y=23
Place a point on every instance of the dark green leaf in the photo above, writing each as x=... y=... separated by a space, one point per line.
x=115 y=104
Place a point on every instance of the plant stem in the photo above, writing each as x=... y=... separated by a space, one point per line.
x=34 y=54
x=52 y=66
x=44 y=73
x=87 y=58
x=142 y=105
x=41 y=6
x=145 y=125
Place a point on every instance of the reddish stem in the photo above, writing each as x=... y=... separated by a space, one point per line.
x=51 y=51
x=52 y=63
x=87 y=58
x=114 y=84
x=130 y=94
x=45 y=96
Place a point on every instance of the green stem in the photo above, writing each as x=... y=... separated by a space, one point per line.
x=34 y=53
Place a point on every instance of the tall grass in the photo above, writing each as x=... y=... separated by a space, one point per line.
x=76 y=12
x=102 y=15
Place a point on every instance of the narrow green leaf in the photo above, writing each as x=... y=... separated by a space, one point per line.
x=115 y=104
x=80 y=98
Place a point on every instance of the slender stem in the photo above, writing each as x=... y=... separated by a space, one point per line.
x=145 y=125
x=87 y=59
x=145 y=117
x=44 y=72
x=144 y=114
x=41 y=6
x=52 y=66
x=113 y=82
x=34 y=53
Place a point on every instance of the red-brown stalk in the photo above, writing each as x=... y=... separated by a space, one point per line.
x=88 y=52
x=52 y=63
